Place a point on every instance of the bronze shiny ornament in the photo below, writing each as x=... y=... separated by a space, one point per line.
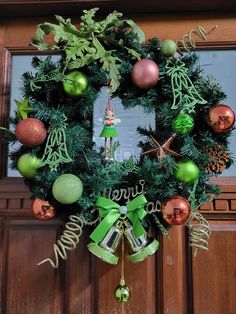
x=176 y=210
x=42 y=209
x=161 y=150
x=221 y=118
x=145 y=73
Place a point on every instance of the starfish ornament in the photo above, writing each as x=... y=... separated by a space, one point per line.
x=161 y=150
x=23 y=108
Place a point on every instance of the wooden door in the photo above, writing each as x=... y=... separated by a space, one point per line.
x=172 y=281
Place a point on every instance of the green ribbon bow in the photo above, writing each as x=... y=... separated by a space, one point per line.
x=110 y=212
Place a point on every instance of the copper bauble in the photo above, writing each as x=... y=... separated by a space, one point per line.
x=145 y=73
x=176 y=210
x=31 y=132
x=42 y=209
x=221 y=118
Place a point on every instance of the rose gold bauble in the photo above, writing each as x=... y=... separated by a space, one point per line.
x=145 y=73
x=42 y=209
x=221 y=118
x=31 y=132
x=176 y=210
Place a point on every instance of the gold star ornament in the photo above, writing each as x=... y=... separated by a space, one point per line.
x=23 y=108
x=161 y=150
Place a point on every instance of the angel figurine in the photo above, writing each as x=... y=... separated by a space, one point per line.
x=109 y=129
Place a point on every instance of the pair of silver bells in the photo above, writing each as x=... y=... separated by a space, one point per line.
x=141 y=247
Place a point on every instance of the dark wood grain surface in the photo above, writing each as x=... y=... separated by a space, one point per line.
x=74 y=7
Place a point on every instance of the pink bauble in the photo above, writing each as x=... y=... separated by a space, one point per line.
x=145 y=73
x=31 y=132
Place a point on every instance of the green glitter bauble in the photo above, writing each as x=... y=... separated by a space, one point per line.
x=183 y=124
x=75 y=84
x=168 y=47
x=67 y=189
x=187 y=171
x=27 y=165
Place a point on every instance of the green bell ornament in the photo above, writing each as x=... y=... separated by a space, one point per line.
x=118 y=221
x=183 y=124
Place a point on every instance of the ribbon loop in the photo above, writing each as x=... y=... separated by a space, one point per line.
x=109 y=211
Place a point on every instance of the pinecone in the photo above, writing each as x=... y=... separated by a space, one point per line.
x=219 y=160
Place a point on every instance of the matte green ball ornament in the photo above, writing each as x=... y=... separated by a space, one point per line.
x=67 y=189
x=168 y=47
x=187 y=171
x=27 y=165
x=75 y=84
x=183 y=124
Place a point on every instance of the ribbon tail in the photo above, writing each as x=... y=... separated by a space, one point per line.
x=138 y=227
x=99 y=233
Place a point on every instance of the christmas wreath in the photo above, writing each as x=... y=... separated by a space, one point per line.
x=70 y=176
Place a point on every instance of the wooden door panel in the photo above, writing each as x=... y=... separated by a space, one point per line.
x=141 y=279
x=174 y=271
x=26 y=287
x=214 y=274
x=80 y=275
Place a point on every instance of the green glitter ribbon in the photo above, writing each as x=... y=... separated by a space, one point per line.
x=109 y=212
x=56 y=150
x=185 y=95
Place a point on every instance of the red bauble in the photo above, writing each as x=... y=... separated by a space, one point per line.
x=42 y=209
x=176 y=210
x=221 y=118
x=145 y=73
x=31 y=132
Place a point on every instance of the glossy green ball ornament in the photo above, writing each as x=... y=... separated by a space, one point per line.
x=75 y=84
x=183 y=124
x=168 y=47
x=67 y=189
x=187 y=171
x=27 y=165
x=122 y=293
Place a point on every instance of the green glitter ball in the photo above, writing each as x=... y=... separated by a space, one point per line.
x=67 y=189
x=168 y=47
x=183 y=124
x=187 y=171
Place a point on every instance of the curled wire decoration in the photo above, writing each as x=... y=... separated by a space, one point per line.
x=130 y=166
x=188 y=42
x=68 y=240
x=200 y=231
